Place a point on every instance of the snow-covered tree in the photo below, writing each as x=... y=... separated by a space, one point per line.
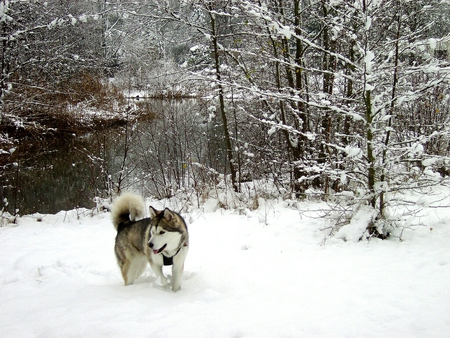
x=51 y=58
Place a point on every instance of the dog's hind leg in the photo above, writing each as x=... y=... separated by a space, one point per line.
x=125 y=269
x=138 y=265
x=124 y=265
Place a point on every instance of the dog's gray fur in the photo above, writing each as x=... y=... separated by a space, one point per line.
x=148 y=240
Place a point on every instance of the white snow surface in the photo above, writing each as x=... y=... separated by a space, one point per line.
x=260 y=273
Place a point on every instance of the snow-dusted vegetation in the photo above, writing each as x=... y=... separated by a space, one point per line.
x=339 y=99
x=306 y=142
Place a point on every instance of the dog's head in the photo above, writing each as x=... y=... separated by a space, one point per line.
x=166 y=231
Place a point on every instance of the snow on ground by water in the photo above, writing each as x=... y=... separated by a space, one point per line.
x=262 y=274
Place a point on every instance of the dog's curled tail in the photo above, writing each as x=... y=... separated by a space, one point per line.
x=126 y=207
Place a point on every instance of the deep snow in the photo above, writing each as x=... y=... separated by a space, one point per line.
x=262 y=274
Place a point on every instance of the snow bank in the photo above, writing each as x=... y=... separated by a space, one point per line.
x=260 y=274
x=357 y=226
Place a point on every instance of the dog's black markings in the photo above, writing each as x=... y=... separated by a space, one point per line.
x=169 y=260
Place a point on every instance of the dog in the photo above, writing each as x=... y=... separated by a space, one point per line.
x=160 y=240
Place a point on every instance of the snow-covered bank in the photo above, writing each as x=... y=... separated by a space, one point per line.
x=262 y=274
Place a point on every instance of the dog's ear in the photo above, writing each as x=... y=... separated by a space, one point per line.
x=168 y=215
x=153 y=212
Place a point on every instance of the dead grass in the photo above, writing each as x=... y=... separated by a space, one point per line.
x=82 y=103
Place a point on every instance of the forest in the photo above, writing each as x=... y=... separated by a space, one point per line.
x=346 y=101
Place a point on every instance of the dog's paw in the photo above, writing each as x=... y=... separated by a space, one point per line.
x=164 y=281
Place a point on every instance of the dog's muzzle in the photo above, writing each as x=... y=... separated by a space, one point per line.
x=150 y=244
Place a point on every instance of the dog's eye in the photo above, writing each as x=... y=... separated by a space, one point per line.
x=162 y=232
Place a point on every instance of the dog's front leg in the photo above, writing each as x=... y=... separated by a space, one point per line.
x=177 y=273
x=157 y=269
x=178 y=269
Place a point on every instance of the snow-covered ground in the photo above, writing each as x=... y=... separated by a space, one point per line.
x=262 y=274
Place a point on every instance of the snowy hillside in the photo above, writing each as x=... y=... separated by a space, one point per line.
x=262 y=274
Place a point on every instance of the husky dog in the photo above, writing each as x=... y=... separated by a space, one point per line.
x=160 y=240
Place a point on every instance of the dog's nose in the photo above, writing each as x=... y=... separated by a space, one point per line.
x=150 y=244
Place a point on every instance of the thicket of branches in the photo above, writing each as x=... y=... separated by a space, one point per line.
x=345 y=100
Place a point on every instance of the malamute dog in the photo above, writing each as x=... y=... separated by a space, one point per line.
x=160 y=240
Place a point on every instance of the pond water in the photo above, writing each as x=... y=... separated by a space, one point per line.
x=153 y=156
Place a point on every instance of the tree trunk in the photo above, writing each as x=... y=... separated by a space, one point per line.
x=391 y=113
x=4 y=69
x=370 y=155
x=226 y=132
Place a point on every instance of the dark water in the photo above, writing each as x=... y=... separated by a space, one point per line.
x=58 y=176
x=153 y=156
